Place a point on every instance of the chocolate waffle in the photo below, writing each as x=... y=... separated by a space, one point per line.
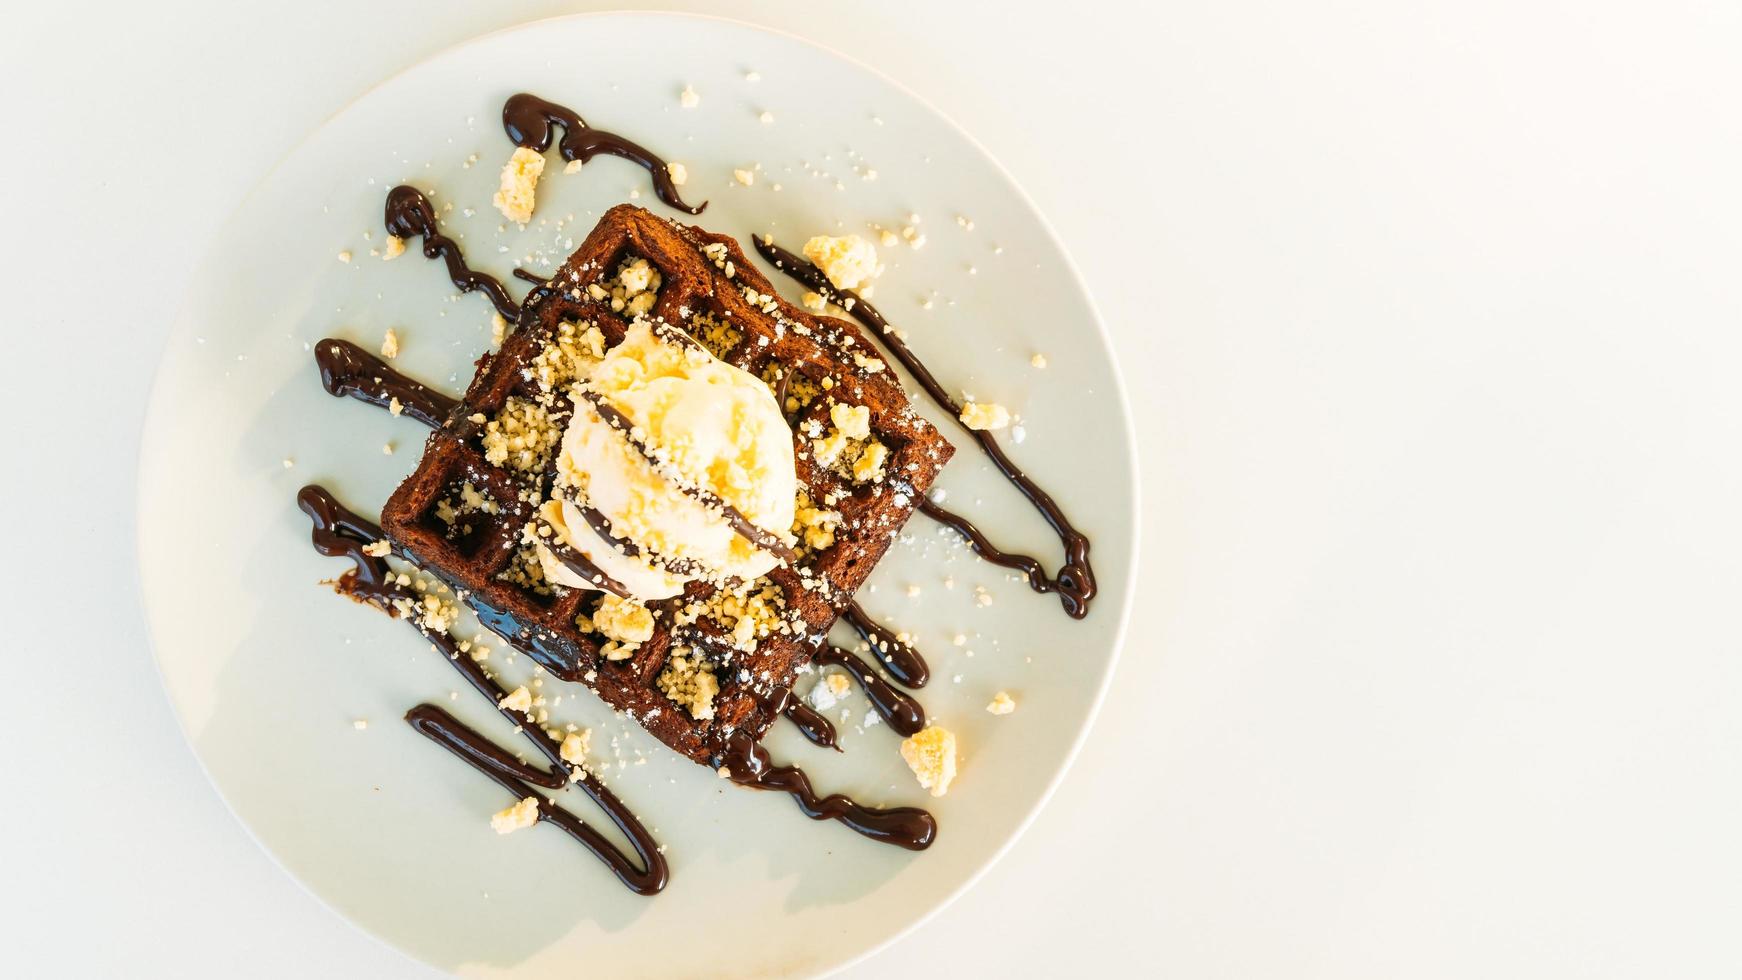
x=470 y=510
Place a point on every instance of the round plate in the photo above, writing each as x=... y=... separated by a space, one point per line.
x=292 y=697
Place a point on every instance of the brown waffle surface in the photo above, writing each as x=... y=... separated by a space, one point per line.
x=707 y=288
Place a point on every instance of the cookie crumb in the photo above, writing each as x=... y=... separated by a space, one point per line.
x=390 y=345
x=517 y=817
x=931 y=754
x=1002 y=704
x=985 y=416
x=689 y=98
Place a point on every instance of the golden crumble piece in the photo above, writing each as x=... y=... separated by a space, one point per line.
x=931 y=754
x=985 y=416
x=814 y=302
x=678 y=173
x=390 y=345
x=1002 y=703
x=745 y=177
x=829 y=448
x=395 y=248
x=431 y=613
x=519 y=699
x=848 y=260
x=498 y=329
x=623 y=620
x=518 y=193
x=689 y=98
x=868 y=467
x=574 y=747
x=1038 y=360
x=814 y=526
x=854 y=421
x=688 y=680
x=378 y=549
x=517 y=817
x=632 y=290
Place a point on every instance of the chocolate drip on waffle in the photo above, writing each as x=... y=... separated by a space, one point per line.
x=410 y=214
x=903 y=662
x=528 y=120
x=339 y=532
x=347 y=369
x=1075 y=579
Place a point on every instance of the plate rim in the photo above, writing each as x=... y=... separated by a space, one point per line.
x=1120 y=394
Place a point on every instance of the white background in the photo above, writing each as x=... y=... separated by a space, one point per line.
x=1430 y=313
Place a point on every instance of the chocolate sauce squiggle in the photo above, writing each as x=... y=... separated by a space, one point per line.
x=811 y=723
x=504 y=770
x=1075 y=580
x=528 y=120
x=902 y=712
x=410 y=214
x=748 y=764
x=340 y=532
x=900 y=658
x=347 y=369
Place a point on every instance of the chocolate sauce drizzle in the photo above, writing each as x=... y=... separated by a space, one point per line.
x=411 y=214
x=1075 y=580
x=902 y=712
x=528 y=120
x=339 y=532
x=347 y=369
x=811 y=723
x=903 y=662
x=509 y=773
x=748 y=764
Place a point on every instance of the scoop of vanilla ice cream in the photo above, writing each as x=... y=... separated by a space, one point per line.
x=710 y=426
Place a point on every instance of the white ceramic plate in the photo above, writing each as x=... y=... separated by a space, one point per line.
x=269 y=670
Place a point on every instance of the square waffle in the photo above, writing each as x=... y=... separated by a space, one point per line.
x=464 y=514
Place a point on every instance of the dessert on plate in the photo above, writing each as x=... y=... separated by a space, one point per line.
x=666 y=485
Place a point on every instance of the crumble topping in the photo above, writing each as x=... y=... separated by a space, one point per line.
x=345 y=256
x=678 y=173
x=378 y=549
x=853 y=421
x=632 y=290
x=814 y=302
x=688 y=680
x=985 y=416
x=521 y=436
x=1002 y=704
x=869 y=466
x=560 y=362
x=748 y=614
x=517 y=817
x=689 y=98
x=520 y=699
x=390 y=344
x=498 y=329
x=931 y=754
x=574 y=747
x=572 y=167
x=848 y=261
x=1038 y=360
x=519 y=189
x=430 y=612
x=745 y=177
x=395 y=248
x=814 y=526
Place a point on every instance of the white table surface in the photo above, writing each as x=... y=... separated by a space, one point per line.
x=1431 y=315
